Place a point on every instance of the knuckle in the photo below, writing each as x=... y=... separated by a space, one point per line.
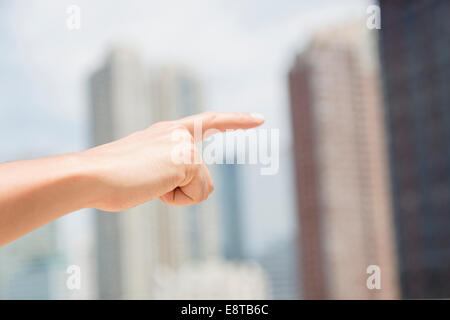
x=211 y=116
x=243 y=116
x=193 y=170
x=196 y=168
x=180 y=174
x=178 y=126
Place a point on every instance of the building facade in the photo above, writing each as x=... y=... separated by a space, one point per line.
x=120 y=105
x=415 y=55
x=126 y=96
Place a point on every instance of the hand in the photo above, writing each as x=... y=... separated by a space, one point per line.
x=112 y=177
x=140 y=167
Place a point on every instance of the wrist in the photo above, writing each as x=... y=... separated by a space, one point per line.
x=85 y=177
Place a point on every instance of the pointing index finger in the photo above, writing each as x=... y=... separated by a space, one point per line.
x=222 y=121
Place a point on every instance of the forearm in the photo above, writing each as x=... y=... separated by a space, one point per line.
x=35 y=192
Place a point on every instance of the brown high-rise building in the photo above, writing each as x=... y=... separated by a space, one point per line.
x=342 y=177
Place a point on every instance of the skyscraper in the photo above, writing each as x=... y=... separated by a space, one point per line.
x=190 y=233
x=415 y=52
x=120 y=104
x=342 y=177
x=133 y=245
x=231 y=212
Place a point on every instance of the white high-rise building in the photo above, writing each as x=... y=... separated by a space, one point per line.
x=120 y=105
x=125 y=97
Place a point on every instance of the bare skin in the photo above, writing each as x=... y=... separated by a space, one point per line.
x=111 y=177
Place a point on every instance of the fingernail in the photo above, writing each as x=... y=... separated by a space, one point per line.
x=257 y=116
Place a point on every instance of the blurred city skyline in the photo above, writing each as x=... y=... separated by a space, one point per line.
x=349 y=193
x=241 y=55
x=240 y=58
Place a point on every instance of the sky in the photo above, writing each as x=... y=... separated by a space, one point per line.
x=241 y=51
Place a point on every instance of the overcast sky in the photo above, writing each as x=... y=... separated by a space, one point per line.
x=240 y=49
